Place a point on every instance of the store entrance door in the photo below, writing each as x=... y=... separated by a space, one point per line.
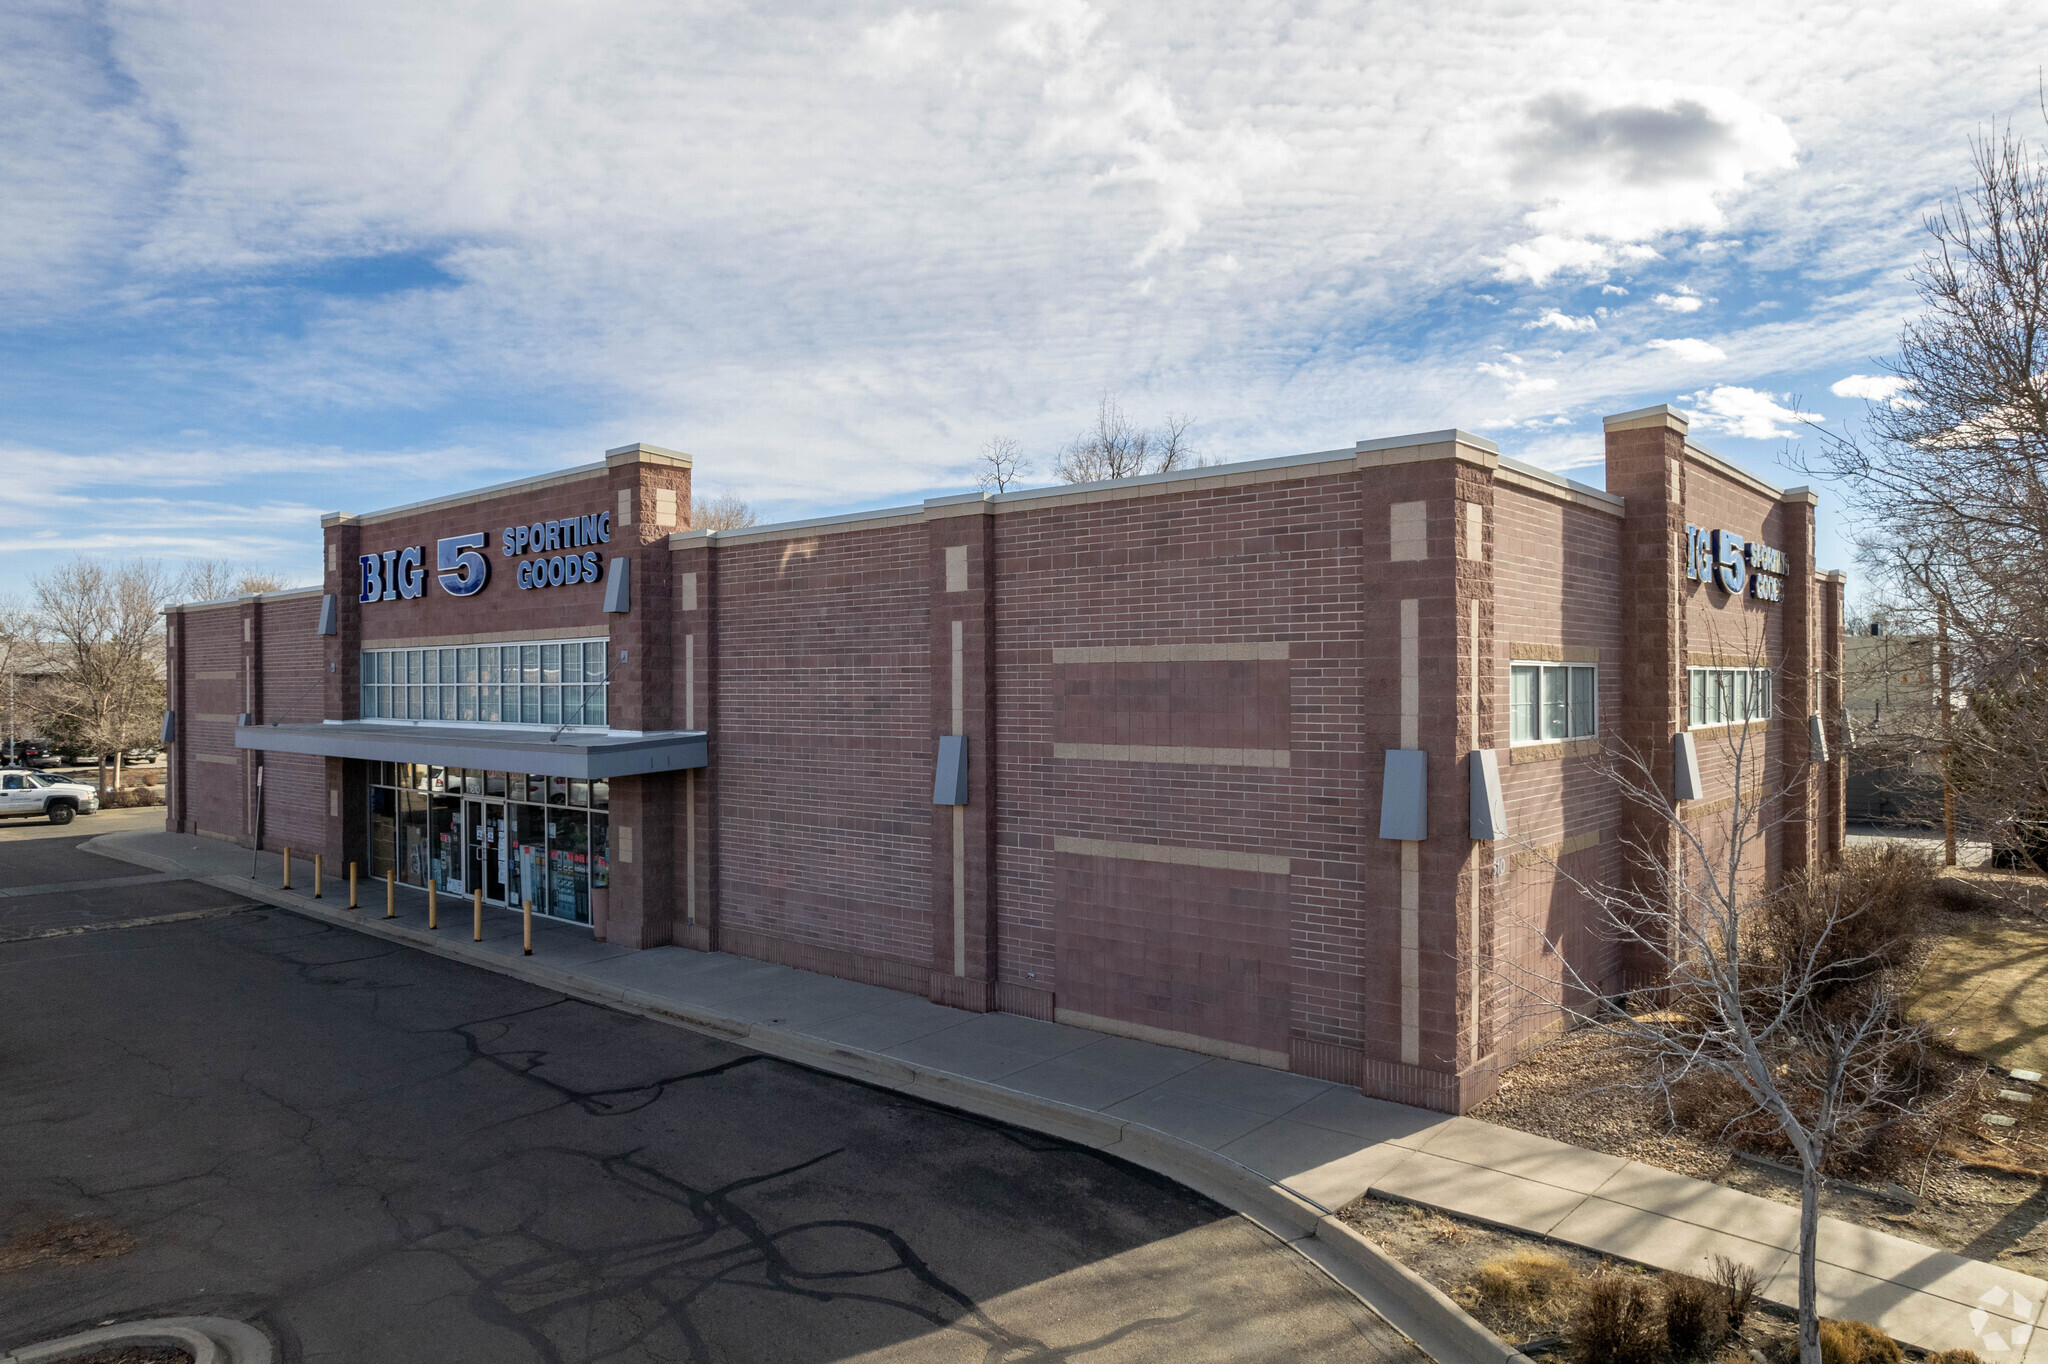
x=484 y=823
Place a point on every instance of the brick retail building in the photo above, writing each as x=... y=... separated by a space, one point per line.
x=1188 y=757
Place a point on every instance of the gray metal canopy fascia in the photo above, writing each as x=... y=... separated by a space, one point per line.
x=585 y=755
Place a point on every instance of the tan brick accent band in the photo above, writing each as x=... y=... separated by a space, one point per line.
x=1173 y=653
x=216 y=758
x=1704 y=809
x=1163 y=753
x=1699 y=660
x=1550 y=753
x=1552 y=653
x=1166 y=1037
x=1544 y=856
x=221 y=675
x=1219 y=858
x=215 y=719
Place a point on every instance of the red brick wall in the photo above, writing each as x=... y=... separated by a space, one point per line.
x=291 y=662
x=822 y=744
x=1557 y=575
x=214 y=684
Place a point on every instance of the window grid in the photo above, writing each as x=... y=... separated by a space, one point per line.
x=1727 y=696
x=559 y=682
x=1551 y=702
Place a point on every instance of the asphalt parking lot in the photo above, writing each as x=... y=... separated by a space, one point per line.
x=381 y=1155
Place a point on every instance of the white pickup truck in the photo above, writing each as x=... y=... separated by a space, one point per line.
x=55 y=798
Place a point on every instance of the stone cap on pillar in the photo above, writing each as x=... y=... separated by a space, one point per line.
x=1800 y=494
x=1662 y=415
x=641 y=453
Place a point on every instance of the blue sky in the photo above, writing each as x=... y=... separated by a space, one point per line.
x=261 y=262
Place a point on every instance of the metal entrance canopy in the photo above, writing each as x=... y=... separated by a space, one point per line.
x=590 y=755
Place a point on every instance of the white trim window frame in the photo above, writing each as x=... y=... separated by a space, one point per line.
x=1550 y=703
x=1719 y=697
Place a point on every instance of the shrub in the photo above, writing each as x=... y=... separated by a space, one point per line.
x=1695 y=1315
x=1533 y=1287
x=1881 y=894
x=1616 y=1322
x=1956 y=1357
x=1856 y=1342
x=1738 y=1283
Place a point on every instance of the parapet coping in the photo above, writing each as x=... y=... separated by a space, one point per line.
x=531 y=481
x=219 y=602
x=1721 y=465
x=1515 y=472
x=1448 y=444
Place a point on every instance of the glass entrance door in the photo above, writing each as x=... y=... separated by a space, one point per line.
x=484 y=824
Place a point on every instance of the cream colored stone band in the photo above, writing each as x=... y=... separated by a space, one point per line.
x=1533 y=857
x=1217 y=858
x=1552 y=653
x=1550 y=753
x=1161 y=753
x=492 y=637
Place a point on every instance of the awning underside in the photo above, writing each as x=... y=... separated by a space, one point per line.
x=587 y=754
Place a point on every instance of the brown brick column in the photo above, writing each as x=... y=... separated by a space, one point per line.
x=649 y=496
x=346 y=827
x=251 y=612
x=178 y=699
x=1834 y=794
x=695 y=592
x=1472 y=517
x=961 y=561
x=1646 y=465
x=1797 y=698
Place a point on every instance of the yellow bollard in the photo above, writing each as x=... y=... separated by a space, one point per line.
x=390 y=894
x=352 y=886
x=319 y=884
x=287 y=867
x=433 y=918
x=478 y=936
x=528 y=907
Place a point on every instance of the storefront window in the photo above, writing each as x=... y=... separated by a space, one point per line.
x=553 y=683
x=514 y=836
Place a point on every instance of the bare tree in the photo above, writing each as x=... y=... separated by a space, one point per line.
x=1115 y=448
x=102 y=621
x=17 y=647
x=1792 y=1007
x=1948 y=474
x=215 y=579
x=1002 y=465
x=725 y=511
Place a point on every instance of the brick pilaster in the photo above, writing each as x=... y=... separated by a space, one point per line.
x=1800 y=831
x=1646 y=465
x=345 y=821
x=649 y=497
x=695 y=593
x=960 y=557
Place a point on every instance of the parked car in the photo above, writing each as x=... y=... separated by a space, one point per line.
x=28 y=753
x=138 y=757
x=55 y=798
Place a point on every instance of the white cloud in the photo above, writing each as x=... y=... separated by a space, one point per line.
x=906 y=41
x=1876 y=388
x=1564 y=323
x=1613 y=289
x=1745 y=412
x=1520 y=383
x=1690 y=349
x=1684 y=301
x=1612 y=169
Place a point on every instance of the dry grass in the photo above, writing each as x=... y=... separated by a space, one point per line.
x=63 y=1241
x=1533 y=1289
x=1616 y=1321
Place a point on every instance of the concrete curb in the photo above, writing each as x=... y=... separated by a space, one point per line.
x=1416 y=1308
x=210 y=1340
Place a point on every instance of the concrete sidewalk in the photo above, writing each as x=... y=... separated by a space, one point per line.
x=1294 y=1148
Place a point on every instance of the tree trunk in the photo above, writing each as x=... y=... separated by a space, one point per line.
x=117 y=769
x=1809 y=1239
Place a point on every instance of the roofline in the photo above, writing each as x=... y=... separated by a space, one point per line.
x=245 y=597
